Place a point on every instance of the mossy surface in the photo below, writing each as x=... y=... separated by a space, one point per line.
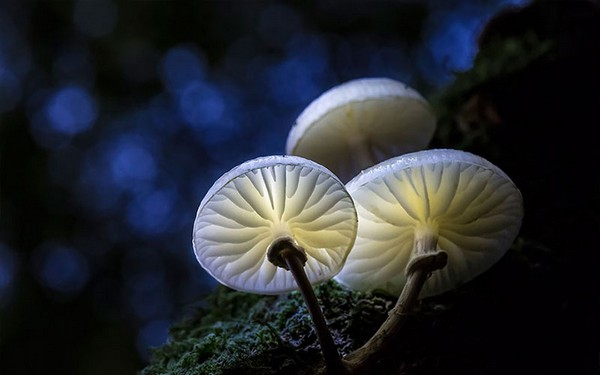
x=245 y=333
x=242 y=333
x=462 y=330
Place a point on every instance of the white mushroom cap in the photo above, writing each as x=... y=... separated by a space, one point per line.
x=360 y=123
x=265 y=200
x=470 y=204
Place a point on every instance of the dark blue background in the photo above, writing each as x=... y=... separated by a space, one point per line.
x=116 y=118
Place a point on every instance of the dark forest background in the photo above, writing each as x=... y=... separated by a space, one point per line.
x=117 y=116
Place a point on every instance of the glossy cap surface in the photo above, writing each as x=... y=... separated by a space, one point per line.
x=472 y=207
x=360 y=123
x=262 y=201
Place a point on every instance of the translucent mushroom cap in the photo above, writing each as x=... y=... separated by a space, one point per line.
x=472 y=207
x=360 y=123
x=265 y=200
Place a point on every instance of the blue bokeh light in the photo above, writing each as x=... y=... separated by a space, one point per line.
x=132 y=161
x=8 y=271
x=450 y=37
x=303 y=74
x=61 y=268
x=453 y=43
x=94 y=188
x=450 y=42
x=153 y=213
x=119 y=166
x=291 y=83
x=182 y=65
x=201 y=104
x=71 y=110
x=151 y=335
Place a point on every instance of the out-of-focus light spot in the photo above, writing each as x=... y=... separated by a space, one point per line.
x=10 y=90
x=61 y=268
x=180 y=66
x=95 y=18
x=131 y=161
x=8 y=270
x=95 y=189
x=201 y=104
x=71 y=110
x=311 y=50
x=118 y=166
x=303 y=75
x=45 y=135
x=153 y=334
x=153 y=213
x=211 y=111
x=291 y=83
x=451 y=41
x=454 y=45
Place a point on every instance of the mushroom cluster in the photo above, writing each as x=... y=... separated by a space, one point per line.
x=410 y=222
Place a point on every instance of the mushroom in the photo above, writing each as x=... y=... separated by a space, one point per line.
x=362 y=122
x=275 y=224
x=428 y=222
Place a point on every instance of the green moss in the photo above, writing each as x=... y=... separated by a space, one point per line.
x=245 y=333
x=242 y=333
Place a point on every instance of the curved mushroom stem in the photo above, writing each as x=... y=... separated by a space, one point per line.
x=426 y=259
x=293 y=258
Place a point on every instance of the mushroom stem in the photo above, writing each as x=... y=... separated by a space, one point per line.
x=363 y=153
x=294 y=262
x=426 y=259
